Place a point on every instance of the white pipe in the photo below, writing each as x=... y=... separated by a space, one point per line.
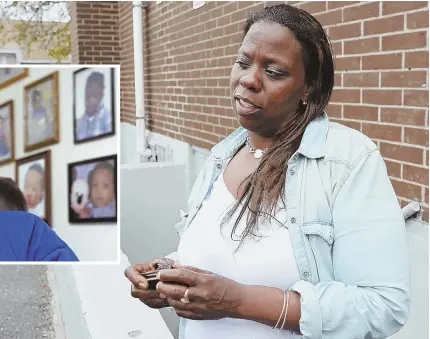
x=410 y=209
x=139 y=91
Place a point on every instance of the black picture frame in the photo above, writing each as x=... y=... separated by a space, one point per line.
x=76 y=74
x=74 y=217
x=46 y=157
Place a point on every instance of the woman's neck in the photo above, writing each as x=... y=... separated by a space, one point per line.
x=258 y=142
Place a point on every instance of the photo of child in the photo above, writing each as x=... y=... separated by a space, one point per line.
x=40 y=119
x=93 y=190
x=6 y=132
x=32 y=184
x=93 y=103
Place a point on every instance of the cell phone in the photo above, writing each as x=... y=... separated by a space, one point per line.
x=151 y=277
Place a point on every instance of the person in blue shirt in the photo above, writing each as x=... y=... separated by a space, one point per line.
x=25 y=236
x=96 y=120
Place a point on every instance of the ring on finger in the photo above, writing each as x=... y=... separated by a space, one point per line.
x=185 y=299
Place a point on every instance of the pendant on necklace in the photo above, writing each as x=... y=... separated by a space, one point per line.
x=258 y=153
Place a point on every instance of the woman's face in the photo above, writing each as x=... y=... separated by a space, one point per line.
x=267 y=80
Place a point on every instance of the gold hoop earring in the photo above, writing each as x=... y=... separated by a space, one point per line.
x=305 y=103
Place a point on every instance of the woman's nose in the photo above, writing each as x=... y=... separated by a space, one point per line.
x=251 y=80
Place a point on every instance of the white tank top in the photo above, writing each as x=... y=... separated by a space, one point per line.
x=264 y=261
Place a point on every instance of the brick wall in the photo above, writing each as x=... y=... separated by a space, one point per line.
x=381 y=85
x=381 y=76
x=95 y=32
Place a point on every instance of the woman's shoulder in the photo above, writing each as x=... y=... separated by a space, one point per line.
x=346 y=144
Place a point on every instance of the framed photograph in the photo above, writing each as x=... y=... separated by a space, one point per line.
x=33 y=176
x=7 y=152
x=93 y=104
x=41 y=118
x=10 y=75
x=93 y=190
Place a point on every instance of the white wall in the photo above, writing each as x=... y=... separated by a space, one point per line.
x=91 y=242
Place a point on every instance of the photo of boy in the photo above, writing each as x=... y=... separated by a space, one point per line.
x=101 y=182
x=34 y=189
x=96 y=119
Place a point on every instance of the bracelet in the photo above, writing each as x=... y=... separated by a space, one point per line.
x=280 y=316
x=286 y=310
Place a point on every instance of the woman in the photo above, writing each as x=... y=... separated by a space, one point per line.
x=294 y=229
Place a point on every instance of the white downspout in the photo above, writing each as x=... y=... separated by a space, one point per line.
x=139 y=91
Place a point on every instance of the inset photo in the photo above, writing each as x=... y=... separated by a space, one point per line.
x=93 y=190
x=41 y=121
x=7 y=152
x=93 y=104
x=33 y=175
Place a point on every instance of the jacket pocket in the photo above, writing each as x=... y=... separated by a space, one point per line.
x=320 y=240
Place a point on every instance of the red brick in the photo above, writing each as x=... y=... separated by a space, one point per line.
x=404 y=79
x=382 y=97
x=360 y=112
x=338 y=4
x=416 y=98
x=404 y=116
x=347 y=63
x=346 y=95
x=382 y=132
x=404 y=41
x=329 y=18
x=417 y=136
x=345 y=31
x=393 y=168
x=384 y=25
x=351 y=124
x=364 y=11
x=368 y=79
x=313 y=6
x=402 y=153
x=418 y=59
x=361 y=46
x=336 y=48
x=406 y=190
x=416 y=174
x=337 y=80
x=418 y=20
x=382 y=61
x=391 y=7
x=334 y=111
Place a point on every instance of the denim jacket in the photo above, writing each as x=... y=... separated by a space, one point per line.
x=347 y=231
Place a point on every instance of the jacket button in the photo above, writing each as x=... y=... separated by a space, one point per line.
x=306 y=274
x=292 y=172
x=293 y=220
x=218 y=166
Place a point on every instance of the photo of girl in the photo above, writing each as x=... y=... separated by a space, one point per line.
x=93 y=190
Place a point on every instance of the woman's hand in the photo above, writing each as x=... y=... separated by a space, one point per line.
x=211 y=296
x=139 y=285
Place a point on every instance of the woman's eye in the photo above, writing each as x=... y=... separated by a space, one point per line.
x=241 y=64
x=273 y=73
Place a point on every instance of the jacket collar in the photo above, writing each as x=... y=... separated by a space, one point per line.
x=312 y=146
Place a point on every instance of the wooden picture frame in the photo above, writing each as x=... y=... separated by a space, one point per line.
x=29 y=173
x=7 y=138
x=17 y=73
x=101 y=83
x=41 y=117
x=99 y=206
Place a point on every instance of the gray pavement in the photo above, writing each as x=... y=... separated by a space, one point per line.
x=25 y=303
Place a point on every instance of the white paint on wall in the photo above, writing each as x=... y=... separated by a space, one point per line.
x=91 y=242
